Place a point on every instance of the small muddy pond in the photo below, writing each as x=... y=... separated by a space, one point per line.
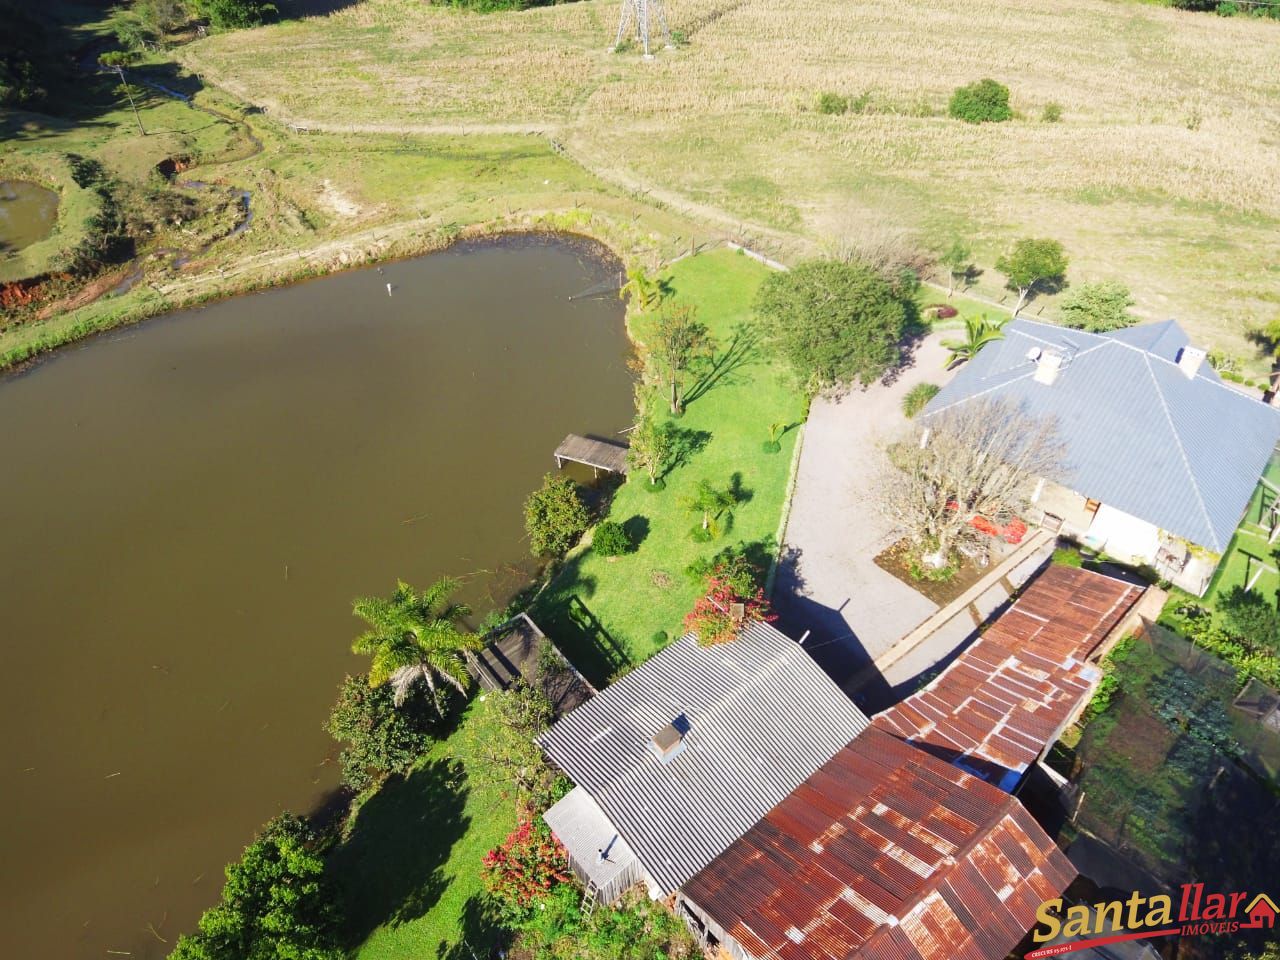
x=188 y=508
x=28 y=213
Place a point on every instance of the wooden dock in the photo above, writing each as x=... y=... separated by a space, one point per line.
x=597 y=454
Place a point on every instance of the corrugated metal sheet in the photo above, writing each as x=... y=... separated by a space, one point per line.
x=584 y=831
x=1002 y=701
x=762 y=717
x=885 y=853
x=1182 y=453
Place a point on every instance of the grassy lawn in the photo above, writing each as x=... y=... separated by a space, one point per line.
x=409 y=873
x=605 y=614
x=1163 y=180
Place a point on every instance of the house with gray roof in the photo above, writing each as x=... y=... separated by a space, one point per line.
x=679 y=758
x=1162 y=456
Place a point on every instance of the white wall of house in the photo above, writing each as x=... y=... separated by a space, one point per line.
x=1124 y=536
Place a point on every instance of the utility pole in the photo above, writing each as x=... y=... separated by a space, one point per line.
x=129 y=93
x=115 y=61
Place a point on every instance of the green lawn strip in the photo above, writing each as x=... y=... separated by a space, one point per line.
x=605 y=614
x=409 y=874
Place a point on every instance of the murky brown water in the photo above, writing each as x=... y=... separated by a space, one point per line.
x=187 y=509
x=28 y=213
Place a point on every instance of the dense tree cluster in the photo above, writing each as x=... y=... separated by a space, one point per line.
x=276 y=904
x=379 y=738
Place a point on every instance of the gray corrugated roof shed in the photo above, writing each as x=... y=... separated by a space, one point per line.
x=1184 y=453
x=762 y=717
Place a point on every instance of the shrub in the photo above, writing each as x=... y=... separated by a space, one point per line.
x=985 y=101
x=380 y=738
x=234 y=14
x=1098 y=307
x=1052 y=113
x=942 y=311
x=832 y=103
x=524 y=869
x=660 y=639
x=733 y=583
x=635 y=929
x=554 y=516
x=611 y=540
x=917 y=397
x=1252 y=617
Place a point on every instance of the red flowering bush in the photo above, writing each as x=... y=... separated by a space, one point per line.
x=525 y=868
x=731 y=601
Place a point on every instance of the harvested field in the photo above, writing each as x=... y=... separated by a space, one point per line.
x=1163 y=171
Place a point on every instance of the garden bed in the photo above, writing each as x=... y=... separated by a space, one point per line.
x=1168 y=764
x=897 y=561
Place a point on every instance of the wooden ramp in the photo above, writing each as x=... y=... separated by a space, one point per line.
x=597 y=454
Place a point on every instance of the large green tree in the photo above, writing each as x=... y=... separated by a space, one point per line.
x=834 y=322
x=1033 y=265
x=555 y=516
x=416 y=637
x=275 y=904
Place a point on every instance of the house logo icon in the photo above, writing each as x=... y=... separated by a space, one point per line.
x=1261 y=912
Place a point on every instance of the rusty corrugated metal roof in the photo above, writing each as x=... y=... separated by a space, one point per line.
x=885 y=853
x=1005 y=698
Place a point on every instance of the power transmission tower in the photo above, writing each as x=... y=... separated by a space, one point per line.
x=643 y=12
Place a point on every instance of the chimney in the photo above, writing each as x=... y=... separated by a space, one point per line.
x=1189 y=360
x=669 y=741
x=1048 y=366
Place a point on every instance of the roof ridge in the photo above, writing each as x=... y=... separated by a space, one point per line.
x=1186 y=462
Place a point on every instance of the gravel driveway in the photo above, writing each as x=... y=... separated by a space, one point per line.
x=827 y=582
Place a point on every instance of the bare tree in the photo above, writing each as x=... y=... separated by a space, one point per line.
x=980 y=459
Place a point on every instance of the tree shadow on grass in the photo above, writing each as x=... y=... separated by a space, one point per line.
x=637 y=530
x=572 y=626
x=685 y=443
x=481 y=936
x=723 y=366
x=389 y=871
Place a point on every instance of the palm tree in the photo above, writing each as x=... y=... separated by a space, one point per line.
x=979 y=331
x=415 y=636
x=712 y=504
x=644 y=289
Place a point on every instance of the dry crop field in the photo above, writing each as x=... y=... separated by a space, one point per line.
x=1164 y=171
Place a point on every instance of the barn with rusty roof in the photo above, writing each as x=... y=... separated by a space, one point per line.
x=886 y=853
x=1007 y=698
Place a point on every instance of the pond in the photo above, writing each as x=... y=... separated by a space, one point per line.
x=28 y=213
x=189 y=507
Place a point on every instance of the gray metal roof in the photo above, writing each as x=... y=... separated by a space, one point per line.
x=1183 y=453
x=761 y=715
x=582 y=827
